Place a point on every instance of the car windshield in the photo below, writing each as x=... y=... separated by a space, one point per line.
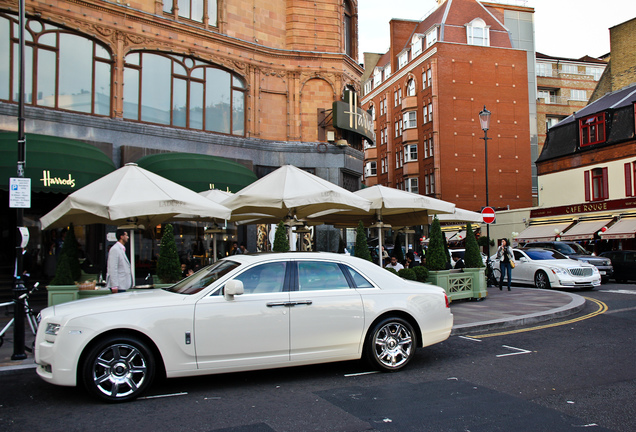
x=564 y=248
x=544 y=254
x=579 y=249
x=203 y=278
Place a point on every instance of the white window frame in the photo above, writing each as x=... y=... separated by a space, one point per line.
x=423 y=80
x=410 y=153
x=478 y=33
x=387 y=71
x=568 y=68
x=429 y=77
x=412 y=185
x=432 y=182
x=430 y=112
x=578 y=95
x=544 y=69
x=426 y=186
x=410 y=119
x=397 y=129
x=431 y=37
x=371 y=169
x=416 y=45
x=425 y=114
x=410 y=88
x=400 y=96
x=403 y=59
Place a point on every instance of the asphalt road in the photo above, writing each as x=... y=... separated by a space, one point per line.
x=573 y=374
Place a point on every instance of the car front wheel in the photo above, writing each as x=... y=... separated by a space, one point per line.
x=118 y=369
x=391 y=344
x=541 y=280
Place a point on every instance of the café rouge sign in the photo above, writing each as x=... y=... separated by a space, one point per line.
x=50 y=181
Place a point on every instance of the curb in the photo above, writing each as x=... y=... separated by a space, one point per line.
x=577 y=303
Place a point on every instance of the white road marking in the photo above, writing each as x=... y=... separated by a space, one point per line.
x=471 y=339
x=360 y=373
x=164 y=396
x=519 y=351
x=619 y=291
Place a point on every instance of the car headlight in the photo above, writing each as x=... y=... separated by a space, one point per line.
x=559 y=271
x=52 y=329
x=594 y=269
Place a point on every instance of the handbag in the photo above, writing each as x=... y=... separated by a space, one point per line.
x=512 y=264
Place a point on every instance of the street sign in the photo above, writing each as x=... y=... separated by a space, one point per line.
x=488 y=215
x=19 y=192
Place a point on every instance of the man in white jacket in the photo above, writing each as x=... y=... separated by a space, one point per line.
x=119 y=277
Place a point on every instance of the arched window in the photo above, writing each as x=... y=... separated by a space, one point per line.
x=63 y=69
x=348 y=28
x=410 y=87
x=184 y=92
x=196 y=10
x=478 y=33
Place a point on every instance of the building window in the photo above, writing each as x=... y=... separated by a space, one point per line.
x=569 y=68
x=368 y=86
x=431 y=37
x=387 y=71
x=592 y=129
x=551 y=121
x=183 y=92
x=596 y=184
x=411 y=153
x=427 y=188
x=397 y=129
x=403 y=59
x=386 y=135
x=431 y=180
x=629 y=171
x=348 y=29
x=430 y=147
x=425 y=114
x=578 y=95
x=412 y=185
x=410 y=88
x=195 y=10
x=416 y=45
x=395 y=99
x=596 y=72
x=62 y=69
x=549 y=96
x=478 y=33
x=372 y=112
x=410 y=119
x=397 y=160
x=544 y=69
x=423 y=80
x=401 y=127
x=400 y=96
x=430 y=112
x=371 y=169
x=429 y=77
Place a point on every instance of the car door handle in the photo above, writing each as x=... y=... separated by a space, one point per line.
x=301 y=302
x=290 y=304
x=276 y=304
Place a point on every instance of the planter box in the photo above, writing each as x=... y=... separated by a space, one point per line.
x=458 y=284
x=82 y=294
x=58 y=294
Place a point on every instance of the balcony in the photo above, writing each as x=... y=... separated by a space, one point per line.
x=411 y=168
x=409 y=135
x=409 y=102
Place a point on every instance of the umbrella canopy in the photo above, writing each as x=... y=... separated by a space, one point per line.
x=290 y=192
x=461 y=215
x=130 y=194
x=390 y=206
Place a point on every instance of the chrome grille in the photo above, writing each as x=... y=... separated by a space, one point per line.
x=581 y=271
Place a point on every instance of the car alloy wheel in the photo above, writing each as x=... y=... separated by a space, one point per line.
x=541 y=280
x=118 y=369
x=391 y=344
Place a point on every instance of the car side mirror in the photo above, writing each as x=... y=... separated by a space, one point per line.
x=523 y=259
x=232 y=288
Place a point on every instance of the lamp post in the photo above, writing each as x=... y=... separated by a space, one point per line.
x=484 y=121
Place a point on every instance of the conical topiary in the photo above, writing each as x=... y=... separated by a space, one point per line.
x=362 y=248
x=168 y=265
x=70 y=249
x=436 y=258
x=63 y=275
x=472 y=257
x=281 y=242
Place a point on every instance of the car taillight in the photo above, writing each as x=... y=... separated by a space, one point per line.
x=446 y=299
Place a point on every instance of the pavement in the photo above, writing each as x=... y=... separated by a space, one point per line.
x=500 y=310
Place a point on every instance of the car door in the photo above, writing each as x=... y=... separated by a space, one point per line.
x=248 y=330
x=523 y=267
x=327 y=319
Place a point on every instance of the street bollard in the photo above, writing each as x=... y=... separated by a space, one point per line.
x=18 y=324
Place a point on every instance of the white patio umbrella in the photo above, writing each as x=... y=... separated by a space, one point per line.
x=390 y=207
x=130 y=196
x=461 y=215
x=290 y=193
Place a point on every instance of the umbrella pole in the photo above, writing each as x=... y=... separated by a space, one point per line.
x=214 y=247
x=380 y=245
x=132 y=255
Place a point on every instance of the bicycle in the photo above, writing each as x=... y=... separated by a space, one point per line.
x=29 y=313
x=493 y=275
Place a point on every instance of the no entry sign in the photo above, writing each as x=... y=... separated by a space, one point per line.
x=488 y=214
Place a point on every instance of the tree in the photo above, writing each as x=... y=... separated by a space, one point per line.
x=362 y=248
x=281 y=242
x=168 y=265
x=472 y=257
x=63 y=275
x=436 y=258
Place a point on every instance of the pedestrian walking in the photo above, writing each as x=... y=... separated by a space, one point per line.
x=119 y=275
x=506 y=262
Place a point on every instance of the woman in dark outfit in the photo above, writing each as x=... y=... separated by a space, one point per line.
x=506 y=258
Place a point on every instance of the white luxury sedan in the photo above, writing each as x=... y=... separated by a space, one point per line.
x=546 y=268
x=244 y=312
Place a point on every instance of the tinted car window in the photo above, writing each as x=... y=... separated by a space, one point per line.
x=264 y=278
x=545 y=254
x=319 y=275
x=358 y=279
x=203 y=278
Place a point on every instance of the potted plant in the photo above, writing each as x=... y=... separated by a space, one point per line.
x=281 y=242
x=475 y=265
x=362 y=248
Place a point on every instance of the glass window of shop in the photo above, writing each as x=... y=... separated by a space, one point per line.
x=183 y=92
x=63 y=69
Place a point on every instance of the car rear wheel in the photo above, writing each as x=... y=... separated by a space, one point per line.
x=391 y=344
x=118 y=369
x=541 y=280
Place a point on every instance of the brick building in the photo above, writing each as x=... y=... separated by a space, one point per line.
x=254 y=82
x=563 y=86
x=426 y=92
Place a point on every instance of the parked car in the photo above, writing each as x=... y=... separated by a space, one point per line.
x=547 y=268
x=244 y=312
x=576 y=251
x=624 y=263
x=461 y=253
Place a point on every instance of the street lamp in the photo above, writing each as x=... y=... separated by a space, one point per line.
x=484 y=121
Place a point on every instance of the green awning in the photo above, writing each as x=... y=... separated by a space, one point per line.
x=199 y=172
x=54 y=164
